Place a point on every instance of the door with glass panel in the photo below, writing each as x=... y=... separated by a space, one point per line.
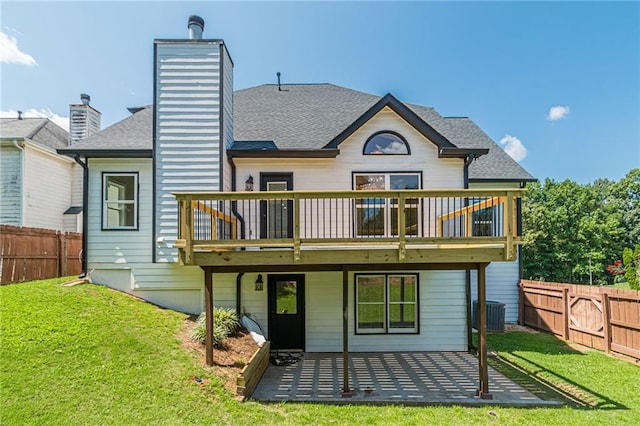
x=286 y=311
x=378 y=216
x=276 y=215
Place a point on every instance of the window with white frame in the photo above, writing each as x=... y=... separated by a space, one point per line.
x=120 y=201
x=386 y=303
x=379 y=216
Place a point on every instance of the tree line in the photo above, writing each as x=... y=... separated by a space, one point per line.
x=571 y=229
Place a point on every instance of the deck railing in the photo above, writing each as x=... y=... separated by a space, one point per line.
x=292 y=219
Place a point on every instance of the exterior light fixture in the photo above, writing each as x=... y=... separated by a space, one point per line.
x=259 y=283
x=248 y=184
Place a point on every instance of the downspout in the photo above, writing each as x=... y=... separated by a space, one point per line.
x=234 y=210
x=238 y=292
x=22 y=154
x=467 y=275
x=85 y=203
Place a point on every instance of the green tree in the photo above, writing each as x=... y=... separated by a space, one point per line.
x=631 y=261
x=565 y=225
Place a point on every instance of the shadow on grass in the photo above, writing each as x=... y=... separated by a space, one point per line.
x=539 y=379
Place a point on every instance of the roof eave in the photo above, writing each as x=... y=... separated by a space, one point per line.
x=462 y=152
x=284 y=153
x=498 y=180
x=107 y=153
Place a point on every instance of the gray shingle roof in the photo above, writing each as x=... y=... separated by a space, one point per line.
x=41 y=131
x=131 y=133
x=307 y=117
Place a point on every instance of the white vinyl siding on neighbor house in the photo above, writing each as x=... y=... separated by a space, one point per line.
x=442 y=313
x=188 y=135
x=10 y=185
x=46 y=189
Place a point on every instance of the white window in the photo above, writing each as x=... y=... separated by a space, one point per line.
x=379 y=216
x=386 y=303
x=120 y=201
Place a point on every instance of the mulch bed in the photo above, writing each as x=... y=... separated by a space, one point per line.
x=228 y=362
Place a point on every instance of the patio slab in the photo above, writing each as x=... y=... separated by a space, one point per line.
x=408 y=378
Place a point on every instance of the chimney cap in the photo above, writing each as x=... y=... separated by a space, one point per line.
x=196 y=26
x=196 y=20
x=85 y=98
x=19 y=115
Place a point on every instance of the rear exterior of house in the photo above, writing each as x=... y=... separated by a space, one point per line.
x=337 y=219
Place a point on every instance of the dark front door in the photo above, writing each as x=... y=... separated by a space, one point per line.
x=286 y=311
x=277 y=215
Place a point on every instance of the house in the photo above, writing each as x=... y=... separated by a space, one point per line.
x=342 y=221
x=40 y=188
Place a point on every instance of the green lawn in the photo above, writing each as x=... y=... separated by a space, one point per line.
x=89 y=355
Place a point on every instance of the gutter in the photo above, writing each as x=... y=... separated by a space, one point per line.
x=85 y=203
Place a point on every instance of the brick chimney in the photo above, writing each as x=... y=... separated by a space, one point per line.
x=84 y=120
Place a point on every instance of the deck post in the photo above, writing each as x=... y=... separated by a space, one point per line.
x=208 y=309
x=483 y=391
x=346 y=391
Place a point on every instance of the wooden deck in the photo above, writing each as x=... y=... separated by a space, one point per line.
x=306 y=228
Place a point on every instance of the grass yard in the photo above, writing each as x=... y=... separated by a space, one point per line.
x=89 y=355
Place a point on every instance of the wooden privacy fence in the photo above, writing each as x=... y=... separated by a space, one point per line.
x=33 y=253
x=597 y=317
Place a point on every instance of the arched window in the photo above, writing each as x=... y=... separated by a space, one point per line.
x=386 y=143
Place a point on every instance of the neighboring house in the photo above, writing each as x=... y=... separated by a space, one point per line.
x=37 y=185
x=40 y=188
x=342 y=221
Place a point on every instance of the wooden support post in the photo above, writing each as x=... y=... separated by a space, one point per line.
x=346 y=391
x=402 y=228
x=483 y=392
x=509 y=226
x=296 y=228
x=208 y=309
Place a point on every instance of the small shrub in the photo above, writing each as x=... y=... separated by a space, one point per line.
x=225 y=324
x=227 y=319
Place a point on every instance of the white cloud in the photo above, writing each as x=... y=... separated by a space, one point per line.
x=514 y=147
x=558 y=113
x=10 y=54
x=39 y=113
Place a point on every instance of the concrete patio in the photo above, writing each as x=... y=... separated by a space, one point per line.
x=410 y=378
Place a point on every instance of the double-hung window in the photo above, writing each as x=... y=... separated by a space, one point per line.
x=377 y=216
x=386 y=303
x=120 y=201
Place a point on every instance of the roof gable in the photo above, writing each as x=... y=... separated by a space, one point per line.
x=404 y=112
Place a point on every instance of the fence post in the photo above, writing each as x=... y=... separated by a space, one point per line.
x=521 y=303
x=565 y=313
x=60 y=254
x=606 y=320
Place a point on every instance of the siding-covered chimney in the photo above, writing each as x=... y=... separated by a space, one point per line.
x=84 y=120
x=193 y=107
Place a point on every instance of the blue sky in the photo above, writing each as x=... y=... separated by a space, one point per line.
x=560 y=80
